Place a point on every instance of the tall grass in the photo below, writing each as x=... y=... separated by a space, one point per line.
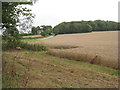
x=90 y=58
x=22 y=45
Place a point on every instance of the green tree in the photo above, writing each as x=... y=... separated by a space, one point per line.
x=84 y=26
x=93 y=25
x=47 y=30
x=38 y=27
x=11 y=34
x=34 y=30
x=10 y=17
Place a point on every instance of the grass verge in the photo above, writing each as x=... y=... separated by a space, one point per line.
x=40 y=70
x=33 y=39
x=22 y=45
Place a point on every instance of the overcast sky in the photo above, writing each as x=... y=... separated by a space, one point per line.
x=53 y=12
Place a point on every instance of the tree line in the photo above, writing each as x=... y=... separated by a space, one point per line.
x=11 y=13
x=85 y=26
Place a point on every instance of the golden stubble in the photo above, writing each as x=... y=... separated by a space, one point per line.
x=96 y=47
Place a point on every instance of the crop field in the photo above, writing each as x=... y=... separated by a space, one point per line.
x=40 y=51
x=96 y=48
x=62 y=64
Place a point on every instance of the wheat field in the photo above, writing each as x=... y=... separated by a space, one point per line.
x=96 y=48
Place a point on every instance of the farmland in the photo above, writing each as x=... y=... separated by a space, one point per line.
x=97 y=47
x=40 y=51
x=85 y=60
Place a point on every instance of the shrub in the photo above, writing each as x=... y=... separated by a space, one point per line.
x=26 y=34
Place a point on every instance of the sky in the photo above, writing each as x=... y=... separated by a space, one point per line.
x=53 y=12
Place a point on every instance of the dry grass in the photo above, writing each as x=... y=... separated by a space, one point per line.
x=41 y=70
x=16 y=70
x=96 y=47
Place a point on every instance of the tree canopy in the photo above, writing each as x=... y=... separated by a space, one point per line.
x=34 y=30
x=85 y=26
x=11 y=13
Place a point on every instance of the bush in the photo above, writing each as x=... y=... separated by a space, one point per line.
x=44 y=34
x=26 y=34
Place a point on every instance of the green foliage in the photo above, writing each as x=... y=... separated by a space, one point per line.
x=46 y=27
x=119 y=26
x=11 y=34
x=44 y=34
x=11 y=13
x=47 y=30
x=26 y=34
x=34 y=30
x=85 y=26
x=22 y=45
x=38 y=27
x=105 y=25
x=10 y=19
